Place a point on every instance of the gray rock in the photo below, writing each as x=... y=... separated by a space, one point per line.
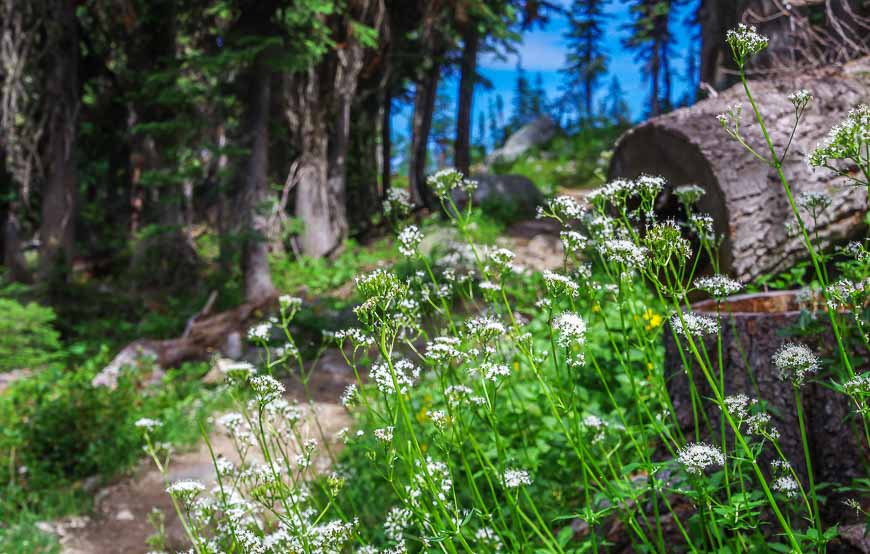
x=516 y=195
x=530 y=135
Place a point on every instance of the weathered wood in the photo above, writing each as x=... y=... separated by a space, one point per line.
x=753 y=327
x=204 y=337
x=744 y=196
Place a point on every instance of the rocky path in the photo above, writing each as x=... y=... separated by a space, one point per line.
x=119 y=523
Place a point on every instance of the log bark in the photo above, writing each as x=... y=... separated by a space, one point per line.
x=752 y=329
x=744 y=195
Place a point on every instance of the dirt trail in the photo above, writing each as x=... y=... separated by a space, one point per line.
x=119 y=523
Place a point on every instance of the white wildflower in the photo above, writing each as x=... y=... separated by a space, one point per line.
x=406 y=373
x=694 y=325
x=409 y=240
x=718 y=286
x=147 y=424
x=571 y=328
x=795 y=362
x=515 y=478
x=697 y=457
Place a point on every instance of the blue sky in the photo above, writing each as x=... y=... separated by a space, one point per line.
x=543 y=51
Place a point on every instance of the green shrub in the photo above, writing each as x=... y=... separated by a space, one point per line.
x=57 y=428
x=27 y=335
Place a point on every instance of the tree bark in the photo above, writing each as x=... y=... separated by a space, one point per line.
x=13 y=258
x=386 y=151
x=421 y=126
x=716 y=17
x=254 y=184
x=57 y=229
x=467 y=80
x=318 y=110
x=744 y=195
x=751 y=329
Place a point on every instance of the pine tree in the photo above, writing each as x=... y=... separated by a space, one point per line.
x=585 y=63
x=522 y=100
x=652 y=40
x=538 y=102
x=617 y=109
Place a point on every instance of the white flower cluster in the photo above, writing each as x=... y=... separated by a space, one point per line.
x=558 y=284
x=349 y=396
x=689 y=194
x=260 y=332
x=738 y=405
x=694 y=325
x=485 y=328
x=515 y=478
x=406 y=374
x=287 y=302
x=786 y=485
x=563 y=208
x=718 y=286
x=795 y=362
x=148 y=425
x=397 y=203
x=697 y=457
x=745 y=41
x=185 y=491
x=800 y=98
x=845 y=141
x=623 y=252
x=492 y=372
x=266 y=388
x=409 y=240
x=443 y=349
x=385 y=434
x=813 y=202
x=357 y=336
x=858 y=386
x=571 y=328
x=572 y=241
x=445 y=180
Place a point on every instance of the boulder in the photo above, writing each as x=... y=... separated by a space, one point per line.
x=530 y=135
x=511 y=196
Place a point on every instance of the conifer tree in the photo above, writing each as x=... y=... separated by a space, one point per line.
x=652 y=41
x=585 y=63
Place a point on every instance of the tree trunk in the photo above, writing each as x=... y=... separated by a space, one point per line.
x=13 y=258
x=254 y=186
x=319 y=110
x=468 y=68
x=57 y=229
x=751 y=328
x=386 y=144
x=421 y=125
x=716 y=17
x=744 y=195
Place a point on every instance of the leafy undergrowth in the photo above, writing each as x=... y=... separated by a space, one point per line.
x=58 y=431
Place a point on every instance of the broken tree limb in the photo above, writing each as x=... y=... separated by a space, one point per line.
x=205 y=336
x=744 y=195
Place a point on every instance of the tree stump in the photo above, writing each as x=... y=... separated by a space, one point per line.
x=744 y=195
x=753 y=327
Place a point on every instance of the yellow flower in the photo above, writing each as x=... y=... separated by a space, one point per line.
x=653 y=320
x=422 y=415
x=596 y=308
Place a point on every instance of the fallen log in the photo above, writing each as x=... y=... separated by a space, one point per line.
x=204 y=336
x=744 y=195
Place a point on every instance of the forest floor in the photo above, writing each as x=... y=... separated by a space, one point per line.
x=119 y=522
